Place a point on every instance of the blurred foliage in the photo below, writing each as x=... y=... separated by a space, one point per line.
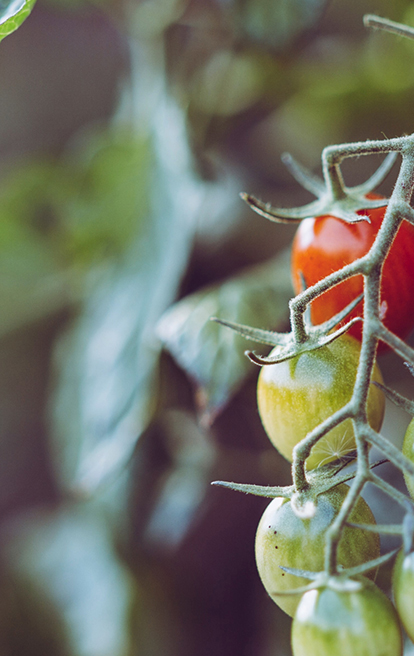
x=213 y=356
x=330 y=85
x=276 y=24
x=128 y=129
x=107 y=370
x=82 y=208
x=59 y=219
x=69 y=557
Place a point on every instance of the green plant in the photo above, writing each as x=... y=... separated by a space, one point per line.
x=339 y=612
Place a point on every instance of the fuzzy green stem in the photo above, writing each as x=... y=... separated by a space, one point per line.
x=335 y=186
x=376 y=22
x=370 y=266
x=302 y=450
x=333 y=534
x=373 y=263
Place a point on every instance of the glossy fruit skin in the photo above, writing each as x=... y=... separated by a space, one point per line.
x=408 y=451
x=295 y=396
x=403 y=590
x=337 y=623
x=283 y=538
x=326 y=244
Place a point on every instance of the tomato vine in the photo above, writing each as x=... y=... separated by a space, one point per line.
x=350 y=205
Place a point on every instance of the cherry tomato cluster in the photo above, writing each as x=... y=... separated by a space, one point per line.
x=295 y=396
x=285 y=540
x=333 y=619
x=339 y=616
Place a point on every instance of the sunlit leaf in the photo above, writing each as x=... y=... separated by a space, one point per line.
x=12 y=15
x=212 y=355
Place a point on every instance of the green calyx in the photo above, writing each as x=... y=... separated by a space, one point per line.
x=289 y=347
x=333 y=197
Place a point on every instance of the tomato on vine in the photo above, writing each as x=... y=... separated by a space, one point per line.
x=284 y=539
x=325 y=244
x=296 y=395
x=331 y=621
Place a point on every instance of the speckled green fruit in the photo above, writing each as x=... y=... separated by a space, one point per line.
x=330 y=622
x=408 y=451
x=285 y=539
x=295 y=396
x=403 y=590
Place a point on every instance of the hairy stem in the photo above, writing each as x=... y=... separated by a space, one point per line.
x=370 y=266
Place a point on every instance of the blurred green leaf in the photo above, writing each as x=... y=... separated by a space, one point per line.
x=59 y=219
x=12 y=14
x=228 y=83
x=29 y=292
x=83 y=207
x=152 y=17
x=33 y=281
x=69 y=555
x=103 y=195
x=212 y=355
x=107 y=366
x=277 y=24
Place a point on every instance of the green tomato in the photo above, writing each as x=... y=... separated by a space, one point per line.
x=408 y=451
x=284 y=539
x=334 y=622
x=403 y=590
x=295 y=396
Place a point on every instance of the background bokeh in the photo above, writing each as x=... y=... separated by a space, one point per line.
x=127 y=130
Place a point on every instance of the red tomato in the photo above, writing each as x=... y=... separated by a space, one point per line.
x=325 y=244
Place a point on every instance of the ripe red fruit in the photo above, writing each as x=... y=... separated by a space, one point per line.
x=325 y=244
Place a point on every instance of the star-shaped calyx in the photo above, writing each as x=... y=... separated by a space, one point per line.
x=287 y=343
x=333 y=197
